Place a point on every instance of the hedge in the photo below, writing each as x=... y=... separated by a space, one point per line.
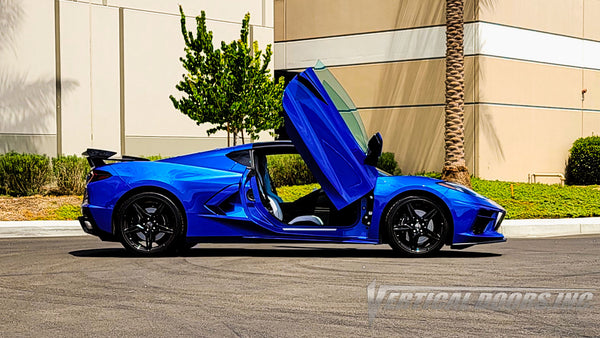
x=32 y=174
x=29 y=174
x=290 y=169
x=24 y=174
x=387 y=163
x=70 y=173
x=583 y=165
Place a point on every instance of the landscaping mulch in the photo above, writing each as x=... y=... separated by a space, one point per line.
x=35 y=207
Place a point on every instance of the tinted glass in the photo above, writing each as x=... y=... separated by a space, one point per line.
x=344 y=104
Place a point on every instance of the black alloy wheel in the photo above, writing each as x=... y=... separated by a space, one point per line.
x=150 y=223
x=416 y=226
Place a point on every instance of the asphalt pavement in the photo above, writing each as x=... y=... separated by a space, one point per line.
x=80 y=286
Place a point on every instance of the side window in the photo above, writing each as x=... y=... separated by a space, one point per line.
x=290 y=177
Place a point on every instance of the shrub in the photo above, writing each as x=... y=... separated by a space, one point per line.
x=2 y=175
x=154 y=157
x=289 y=169
x=70 y=172
x=583 y=166
x=24 y=174
x=431 y=174
x=388 y=163
x=292 y=193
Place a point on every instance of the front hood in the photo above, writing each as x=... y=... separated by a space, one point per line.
x=393 y=185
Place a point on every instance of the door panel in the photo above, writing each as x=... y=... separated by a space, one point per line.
x=324 y=139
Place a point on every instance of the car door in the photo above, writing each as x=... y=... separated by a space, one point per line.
x=326 y=129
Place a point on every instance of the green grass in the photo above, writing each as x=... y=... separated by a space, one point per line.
x=154 y=157
x=292 y=193
x=536 y=200
x=530 y=200
x=527 y=200
x=67 y=212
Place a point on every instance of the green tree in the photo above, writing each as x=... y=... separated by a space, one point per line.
x=231 y=87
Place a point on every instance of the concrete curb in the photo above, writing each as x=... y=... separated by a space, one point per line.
x=518 y=228
x=527 y=228
x=14 y=229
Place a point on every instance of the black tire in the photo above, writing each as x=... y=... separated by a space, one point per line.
x=416 y=226
x=149 y=223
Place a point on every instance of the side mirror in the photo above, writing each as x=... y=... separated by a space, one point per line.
x=374 y=149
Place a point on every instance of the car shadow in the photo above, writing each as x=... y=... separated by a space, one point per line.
x=285 y=251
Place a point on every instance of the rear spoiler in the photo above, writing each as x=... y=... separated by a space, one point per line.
x=96 y=157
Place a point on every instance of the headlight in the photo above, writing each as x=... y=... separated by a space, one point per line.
x=463 y=189
x=460 y=187
x=499 y=219
x=454 y=186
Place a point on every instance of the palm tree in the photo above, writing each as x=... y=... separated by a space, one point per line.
x=455 y=168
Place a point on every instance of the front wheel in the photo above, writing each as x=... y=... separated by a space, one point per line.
x=149 y=223
x=416 y=226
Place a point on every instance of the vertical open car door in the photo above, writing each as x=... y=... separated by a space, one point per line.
x=327 y=131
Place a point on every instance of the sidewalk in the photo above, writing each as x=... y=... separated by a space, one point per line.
x=524 y=228
x=12 y=229
x=518 y=228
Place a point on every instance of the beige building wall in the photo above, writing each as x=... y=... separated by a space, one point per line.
x=27 y=81
x=298 y=20
x=90 y=111
x=552 y=16
x=117 y=62
x=530 y=114
x=533 y=104
x=524 y=75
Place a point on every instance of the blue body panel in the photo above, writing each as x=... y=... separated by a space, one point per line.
x=200 y=190
x=463 y=207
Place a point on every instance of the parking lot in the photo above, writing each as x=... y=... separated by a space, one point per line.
x=82 y=286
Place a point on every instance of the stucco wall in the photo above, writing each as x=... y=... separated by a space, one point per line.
x=117 y=62
x=526 y=64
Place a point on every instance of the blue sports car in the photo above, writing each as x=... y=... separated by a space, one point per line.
x=227 y=195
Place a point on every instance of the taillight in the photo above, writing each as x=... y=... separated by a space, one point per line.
x=97 y=175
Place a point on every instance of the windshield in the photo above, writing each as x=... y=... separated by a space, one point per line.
x=343 y=103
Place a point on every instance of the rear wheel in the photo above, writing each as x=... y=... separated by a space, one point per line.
x=416 y=226
x=149 y=223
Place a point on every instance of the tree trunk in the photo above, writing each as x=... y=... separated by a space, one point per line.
x=228 y=136
x=455 y=169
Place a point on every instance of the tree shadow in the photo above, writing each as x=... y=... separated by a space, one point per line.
x=485 y=120
x=413 y=92
x=32 y=102
x=412 y=125
x=11 y=16
x=28 y=105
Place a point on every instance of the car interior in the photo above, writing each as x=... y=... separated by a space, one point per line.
x=313 y=209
